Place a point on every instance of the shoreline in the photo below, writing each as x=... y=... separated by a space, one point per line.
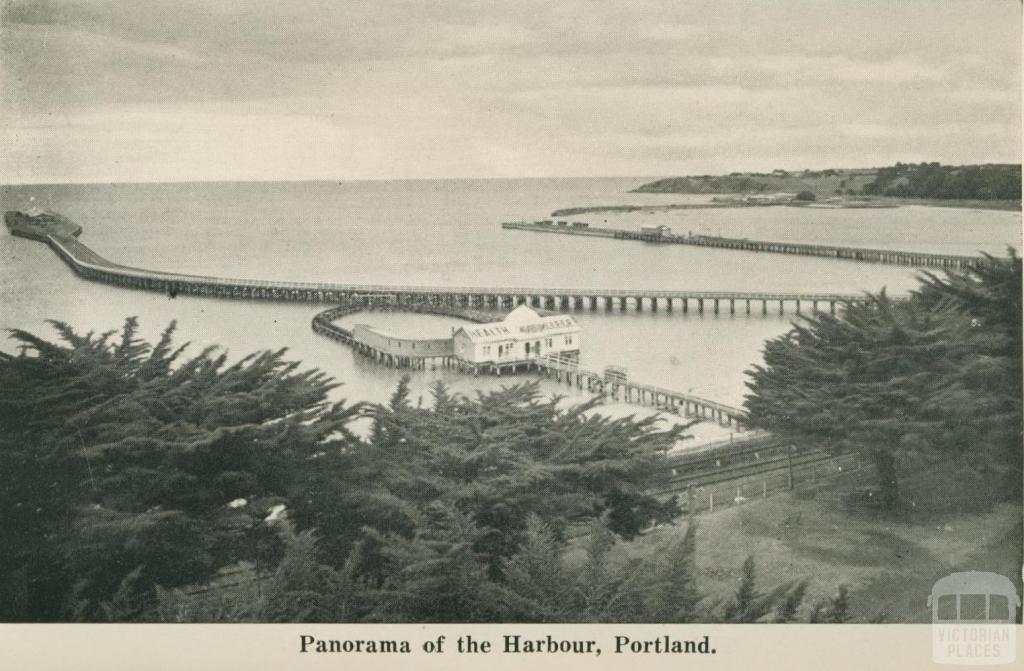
x=884 y=202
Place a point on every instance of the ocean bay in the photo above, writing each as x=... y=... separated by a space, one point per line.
x=447 y=232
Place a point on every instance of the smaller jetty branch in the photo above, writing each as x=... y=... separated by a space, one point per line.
x=563 y=366
x=663 y=235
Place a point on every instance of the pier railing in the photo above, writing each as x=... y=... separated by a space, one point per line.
x=669 y=400
x=80 y=255
x=871 y=255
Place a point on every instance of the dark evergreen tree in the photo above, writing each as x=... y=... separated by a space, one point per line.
x=299 y=589
x=537 y=586
x=674 y=594
x=541 y=584
x=787 y=610
x=436 y=576
x=936 y=376
x=118 y=461
x=499 y=457
x=747 y=606
x=862 y=380
x=932 y=180
x=133 y=475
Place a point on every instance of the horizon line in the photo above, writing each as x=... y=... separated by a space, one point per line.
x=340 y=180
x=294 y=180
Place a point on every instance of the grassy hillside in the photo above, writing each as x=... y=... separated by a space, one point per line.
x=889 y=565
x=989 y=182
x=823 y=183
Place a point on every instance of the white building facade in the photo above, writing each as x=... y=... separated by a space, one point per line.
x=521 y=336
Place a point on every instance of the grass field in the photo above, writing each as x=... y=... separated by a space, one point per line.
x=888 y=565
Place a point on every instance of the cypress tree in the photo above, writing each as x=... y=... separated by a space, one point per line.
x=938 y=374
x=118 y=461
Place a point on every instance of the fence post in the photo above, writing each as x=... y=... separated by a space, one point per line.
x=764 y=488
x=690 y=501
x=789 y=459
x=711 y=502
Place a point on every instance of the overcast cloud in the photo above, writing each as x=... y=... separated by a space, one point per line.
x=140 y=91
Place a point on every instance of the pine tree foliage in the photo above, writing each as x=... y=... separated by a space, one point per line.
x=788 y=609
x=545 y=581
x=436 y=576
x=499 y=458
x=131 y=475
x=749 y=605
x=931 y=377
x=674 y=594
x=983 y=410
x=551 y=580
x=299 y=589
x=302 y=589
x=538 y=585
x=118 y=459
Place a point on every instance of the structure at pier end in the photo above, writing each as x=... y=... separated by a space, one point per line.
x=522 y=340
x=521 y=336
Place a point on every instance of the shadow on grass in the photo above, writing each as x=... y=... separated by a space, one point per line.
x=902 y=596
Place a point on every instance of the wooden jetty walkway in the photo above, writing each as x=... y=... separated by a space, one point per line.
x=90 y=265
x=891 y=256
x=620 y=388
x=422 y=353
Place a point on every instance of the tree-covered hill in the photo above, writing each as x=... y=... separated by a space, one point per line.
x=989 y=182
x=932 y=180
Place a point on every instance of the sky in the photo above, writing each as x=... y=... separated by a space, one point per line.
x=182 y=90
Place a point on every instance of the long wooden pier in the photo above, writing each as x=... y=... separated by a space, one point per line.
x=90 y=265
x=891 y=256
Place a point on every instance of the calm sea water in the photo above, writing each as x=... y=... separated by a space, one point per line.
x=447 y=232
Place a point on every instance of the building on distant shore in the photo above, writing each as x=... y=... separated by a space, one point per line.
x=521 y=336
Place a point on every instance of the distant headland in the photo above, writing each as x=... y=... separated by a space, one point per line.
x=982 y=187
x=988 y=186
